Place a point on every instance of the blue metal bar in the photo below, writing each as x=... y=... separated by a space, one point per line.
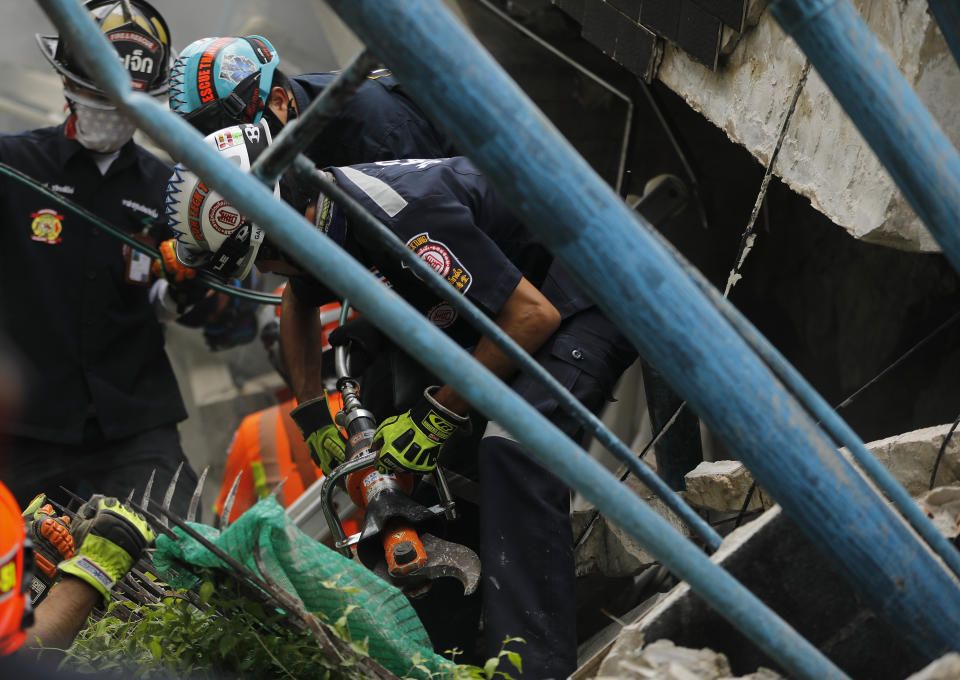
x=678 y=330
x=361 y=218
x=325 y=260
x=947 y=14
x=297 y=134
x=820 y=409
x=886 y=111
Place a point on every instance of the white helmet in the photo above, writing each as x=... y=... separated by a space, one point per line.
x=211 y=233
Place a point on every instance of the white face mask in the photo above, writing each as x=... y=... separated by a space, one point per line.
x=100 y=127
x=102 y=130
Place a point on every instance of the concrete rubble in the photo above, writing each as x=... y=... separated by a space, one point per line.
x=942 y=506
x=824 y=157
x=946 y=667
x=722 y=486
x=629 y=659
x=910 y=457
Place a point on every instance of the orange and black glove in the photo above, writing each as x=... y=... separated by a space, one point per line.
x=52 y=543
x=185 y=289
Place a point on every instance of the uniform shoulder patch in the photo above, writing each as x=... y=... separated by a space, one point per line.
x=442 y=259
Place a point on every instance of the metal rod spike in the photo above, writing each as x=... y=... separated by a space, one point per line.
x=148 y=489
x=197 y=493
x=172 y=487
x=228 y=503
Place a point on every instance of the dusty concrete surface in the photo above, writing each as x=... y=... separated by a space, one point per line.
x=662 y=660
x=910 y=457
x=824 y=157
x=945 y=668
x=722 y=486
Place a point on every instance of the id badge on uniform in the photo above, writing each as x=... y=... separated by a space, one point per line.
x=138 y=264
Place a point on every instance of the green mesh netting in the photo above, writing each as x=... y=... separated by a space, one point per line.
x=325 y=582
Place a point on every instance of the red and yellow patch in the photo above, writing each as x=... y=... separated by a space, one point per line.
x=46 y=226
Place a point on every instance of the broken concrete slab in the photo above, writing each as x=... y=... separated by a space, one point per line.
x=663 y=660
x=776 y=562
x=942 y=506
x=606 y=549
x=824 y=157
x=910 y=457
x=947 y=667
x=722 y=486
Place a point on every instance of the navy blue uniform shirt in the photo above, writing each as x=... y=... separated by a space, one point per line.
x=378 y=123
x=89 y=344
x=447 y=213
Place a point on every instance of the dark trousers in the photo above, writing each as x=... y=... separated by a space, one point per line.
x=526 y=537
x=112 y=468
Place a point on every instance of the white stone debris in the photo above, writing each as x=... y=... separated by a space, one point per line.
x=722 y=486
x=662 y=660
x=947 y=667
x=824 y=157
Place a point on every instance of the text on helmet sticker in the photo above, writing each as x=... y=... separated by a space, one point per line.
x=205 y=88
x=199 y=195
x=224 y=217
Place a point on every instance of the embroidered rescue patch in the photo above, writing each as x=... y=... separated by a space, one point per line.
x=442 y=315
x=46 y=226
x=442 y=260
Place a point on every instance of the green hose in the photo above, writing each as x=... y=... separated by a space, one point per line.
x=207 y=279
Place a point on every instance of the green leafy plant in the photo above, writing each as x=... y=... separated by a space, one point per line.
x=231 y=635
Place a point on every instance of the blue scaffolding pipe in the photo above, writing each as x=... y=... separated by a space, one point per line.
x=676 y=328
x=886 y=111
x=360 y=218
x=325 y=260
x=826 y=415
x=947 y=14
x=297 y=134
x=283 y=152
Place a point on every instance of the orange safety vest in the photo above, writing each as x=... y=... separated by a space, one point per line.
x=269 y=448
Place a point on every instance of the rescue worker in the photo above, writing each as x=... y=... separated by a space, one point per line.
x=110 y=538
x=101 y=402
x=445 y=211
x=216 y=82
x=267 y=448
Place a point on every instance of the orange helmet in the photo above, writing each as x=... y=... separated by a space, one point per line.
x=16 y=614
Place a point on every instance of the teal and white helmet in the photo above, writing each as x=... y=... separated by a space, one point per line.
x=218 y=82
x=212 y=234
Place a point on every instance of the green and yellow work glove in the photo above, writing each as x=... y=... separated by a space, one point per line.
x=411 y=442
x=326 y=446
x=111 y=537
x=52 y=543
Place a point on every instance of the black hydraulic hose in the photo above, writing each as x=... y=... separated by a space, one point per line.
x=207 y=279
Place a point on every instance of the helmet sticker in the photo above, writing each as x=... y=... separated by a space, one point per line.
x=236 y=67
x=229 y=138
x=200 y=193
x=205 y=88
x=224 y=217
x=263 y=51
x=46 y=226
